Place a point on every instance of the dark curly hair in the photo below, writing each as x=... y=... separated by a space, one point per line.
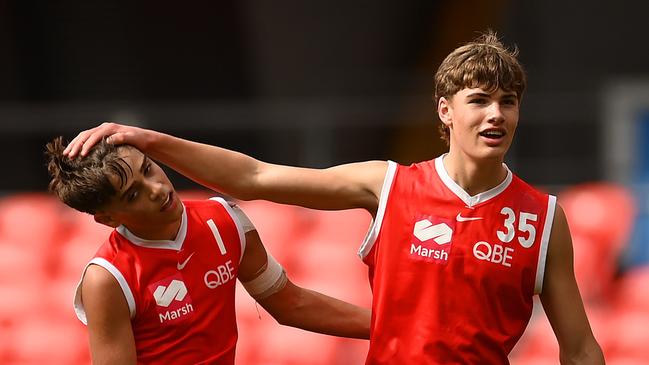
x=83 y=183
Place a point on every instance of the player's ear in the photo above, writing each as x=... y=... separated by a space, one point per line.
x=444 y=111
x=106 y=219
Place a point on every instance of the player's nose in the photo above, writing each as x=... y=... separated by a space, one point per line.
x=157 y=190
x=495 y=114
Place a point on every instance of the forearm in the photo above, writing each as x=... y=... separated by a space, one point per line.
x=247 y=178
x=222 y=170
x=315 y=312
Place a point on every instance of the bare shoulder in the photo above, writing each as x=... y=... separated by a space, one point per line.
x=101 y=293
x=560 y=253
x=560 y=234
x=98 y=278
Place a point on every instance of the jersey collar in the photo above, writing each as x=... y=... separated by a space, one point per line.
x=469 y=200
x=175 y=244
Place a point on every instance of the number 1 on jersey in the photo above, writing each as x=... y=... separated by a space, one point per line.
x=217 y=235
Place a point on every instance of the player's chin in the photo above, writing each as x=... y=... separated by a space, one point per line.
x=494 y=152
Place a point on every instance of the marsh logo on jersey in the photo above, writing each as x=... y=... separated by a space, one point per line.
x=172 y=298
x=431 y=241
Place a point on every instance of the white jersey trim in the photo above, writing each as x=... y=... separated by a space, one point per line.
x=175 y=244
x=241 y=221
x=130 y=299
x=545 y=240
x=469 y=200
x=375 y=225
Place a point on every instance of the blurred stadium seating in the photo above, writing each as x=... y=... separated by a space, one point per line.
x=44 y=246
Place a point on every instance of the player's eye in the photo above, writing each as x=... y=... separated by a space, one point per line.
x=147 y=168
x=132 y=195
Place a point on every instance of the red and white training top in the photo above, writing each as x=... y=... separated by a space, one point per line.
x=180 y=293
x=453 y=275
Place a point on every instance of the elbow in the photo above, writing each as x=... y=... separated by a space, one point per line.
x=245 y=189
x=244 y=194
x=290 y=315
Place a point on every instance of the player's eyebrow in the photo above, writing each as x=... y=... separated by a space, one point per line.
x=478 y=93
x=128 y=188
x=482 y=94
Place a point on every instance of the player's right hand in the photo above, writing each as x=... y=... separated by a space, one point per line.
x=113 y=132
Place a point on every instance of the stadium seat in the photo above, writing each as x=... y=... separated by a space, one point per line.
x=600 y=216
x=280 y=228
x=604 y=210
x=43 y=339
x=31 y=218
x=79 y=247
x=290 y=346
x=632 y=291
x=631 y=337
x=20 y=265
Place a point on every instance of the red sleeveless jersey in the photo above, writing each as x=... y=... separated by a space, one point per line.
x=453 y=276
x=180 y=293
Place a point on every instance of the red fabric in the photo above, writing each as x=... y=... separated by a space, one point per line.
x=429 y=308
x=200 y=328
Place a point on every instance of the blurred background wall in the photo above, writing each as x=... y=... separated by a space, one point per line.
x=319 y=83
x=312 y=83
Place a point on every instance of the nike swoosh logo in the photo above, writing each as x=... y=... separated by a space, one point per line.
x=182 y=265
x=460 y=218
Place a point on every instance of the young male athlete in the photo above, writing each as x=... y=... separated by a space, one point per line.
x=161 y=289
x=458 y=246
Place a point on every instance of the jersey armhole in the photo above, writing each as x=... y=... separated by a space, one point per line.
x=123 y=284
x=240 y=220
x=375 y=225
x=545 y=240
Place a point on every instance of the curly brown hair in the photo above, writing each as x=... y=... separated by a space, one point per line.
x=83 y=183
x=485 y=63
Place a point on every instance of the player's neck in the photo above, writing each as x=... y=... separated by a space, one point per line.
x=160 y=232
x=474 y=176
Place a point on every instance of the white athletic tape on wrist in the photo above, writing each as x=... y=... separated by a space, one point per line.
x=269 y=282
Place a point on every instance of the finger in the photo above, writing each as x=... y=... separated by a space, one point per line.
x=92 y=140
x=68 y=148
x=74 y=147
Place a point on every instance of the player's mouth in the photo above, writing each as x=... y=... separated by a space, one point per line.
x=493 y=136
x=169 y=202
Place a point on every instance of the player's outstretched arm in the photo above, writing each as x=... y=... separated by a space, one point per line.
x=562 y=302
x=109 y=323
x=356 y=185
x=293 y=306
x=312 y=311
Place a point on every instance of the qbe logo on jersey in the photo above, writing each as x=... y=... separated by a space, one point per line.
x=431 y=239
x=172 y=299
